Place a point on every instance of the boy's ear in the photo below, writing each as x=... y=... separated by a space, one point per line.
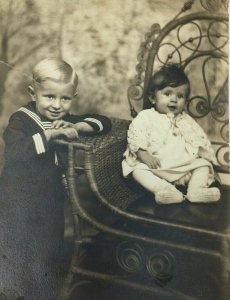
x=31 y=92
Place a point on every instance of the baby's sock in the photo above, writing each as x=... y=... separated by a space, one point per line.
x=204 y=194
x=166 y=193
x=198 y=190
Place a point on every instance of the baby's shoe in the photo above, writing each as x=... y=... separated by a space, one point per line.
x=204 y=194
x=169 y=195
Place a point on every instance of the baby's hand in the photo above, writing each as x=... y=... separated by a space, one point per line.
x=151 y=161
x=61 y=123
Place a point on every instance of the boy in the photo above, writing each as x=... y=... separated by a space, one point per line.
x=31 y=191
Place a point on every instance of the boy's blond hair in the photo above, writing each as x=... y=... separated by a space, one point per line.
x=54 y=69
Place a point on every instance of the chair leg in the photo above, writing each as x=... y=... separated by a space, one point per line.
x=75 y=258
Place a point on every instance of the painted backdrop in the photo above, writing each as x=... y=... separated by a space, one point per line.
x=100 y=38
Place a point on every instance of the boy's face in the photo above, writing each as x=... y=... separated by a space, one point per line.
x=171 y=99
x=53 y=99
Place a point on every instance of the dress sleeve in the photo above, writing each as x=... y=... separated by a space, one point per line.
x=199 y=139
x=99 y=123
x=138 y=134
x=206 y=151
x=20 y=142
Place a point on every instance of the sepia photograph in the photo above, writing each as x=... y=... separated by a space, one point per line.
x=114 y=150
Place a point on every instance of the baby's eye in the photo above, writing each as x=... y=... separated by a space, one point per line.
x=167 y=93
x=180 y=96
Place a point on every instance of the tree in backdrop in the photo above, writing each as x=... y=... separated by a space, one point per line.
x=22 y=35
x=27 y=34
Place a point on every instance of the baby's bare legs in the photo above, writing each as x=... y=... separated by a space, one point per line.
x=198 y=190
x=165 y=192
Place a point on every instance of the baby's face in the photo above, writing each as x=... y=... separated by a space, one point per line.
x=171 y=99
x=53 y=99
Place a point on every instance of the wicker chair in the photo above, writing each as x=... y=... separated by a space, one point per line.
x=138 y=249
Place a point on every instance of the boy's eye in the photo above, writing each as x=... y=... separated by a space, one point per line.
x=180 y=96
x=66 y=99
x=49 y=96
x=167 y=93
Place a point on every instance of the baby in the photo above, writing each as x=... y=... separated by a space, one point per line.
x=166 y=147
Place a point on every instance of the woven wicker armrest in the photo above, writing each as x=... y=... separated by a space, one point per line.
x=94 y=143
x=101 y=161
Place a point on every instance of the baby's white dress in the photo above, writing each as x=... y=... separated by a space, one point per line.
x=178 y=142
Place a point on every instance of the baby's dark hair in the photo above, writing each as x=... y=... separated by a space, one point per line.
x=169 y=75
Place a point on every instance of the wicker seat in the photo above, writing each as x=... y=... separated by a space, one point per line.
x=178 y=251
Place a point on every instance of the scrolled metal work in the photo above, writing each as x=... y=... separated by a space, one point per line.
x=211 y=5
x=216 y=32
x=222 y=155
x=187 y=5
x=199 y=106
x=135 y=91
x=81 y=289
x=160 y=265
x=225 y=132
x=130 y=257
x=190 y=40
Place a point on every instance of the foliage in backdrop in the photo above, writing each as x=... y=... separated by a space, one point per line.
x=100 y=38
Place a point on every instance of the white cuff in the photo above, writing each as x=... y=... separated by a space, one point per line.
x=99 y=124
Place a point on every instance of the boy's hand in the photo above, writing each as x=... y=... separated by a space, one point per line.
x=83 y=127
x=60 y=123
x=79 y=127
x=148 y=159
x=67 y=133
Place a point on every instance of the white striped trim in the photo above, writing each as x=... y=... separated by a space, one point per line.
x=47 y=125
x=39 y=146
x=95 y=121
x=56 y=159
x=36 y=118
x=33 y=116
